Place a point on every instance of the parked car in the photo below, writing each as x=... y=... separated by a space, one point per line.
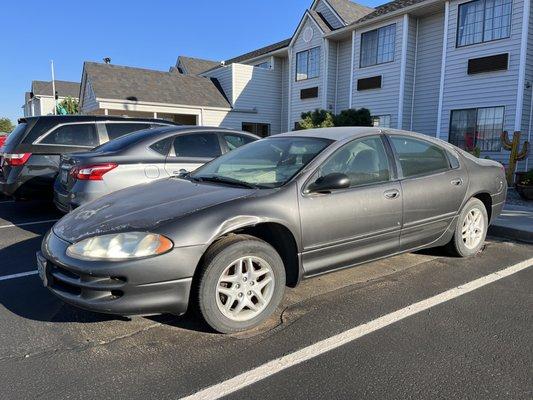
x=227 y=238
x=29 y=161
x=140 y=157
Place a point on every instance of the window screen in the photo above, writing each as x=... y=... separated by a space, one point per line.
x=377 y=46
x=117 y=130
x=199 y=145
x=418 y=157
x=73 y=135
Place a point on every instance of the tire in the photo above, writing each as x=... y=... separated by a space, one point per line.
x=461 y=245
x=231 y=301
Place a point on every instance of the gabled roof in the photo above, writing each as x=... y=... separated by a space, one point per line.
x=324 y=26
x=63 y=88
x=387 y=8
x=194 y=66
x=348 y=10
x=260 y=52
x=146 y=85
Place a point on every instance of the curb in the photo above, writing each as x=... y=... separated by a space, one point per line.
x=511 y=233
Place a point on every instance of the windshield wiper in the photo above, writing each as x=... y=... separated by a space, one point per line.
x=224 y=179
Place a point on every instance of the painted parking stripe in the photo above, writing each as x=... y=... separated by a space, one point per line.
x=46 y=221
x=279 y=364
x=19 y=275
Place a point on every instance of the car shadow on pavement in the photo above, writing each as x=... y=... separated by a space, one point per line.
x=29 y=215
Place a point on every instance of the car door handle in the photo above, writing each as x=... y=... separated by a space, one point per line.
x=391 y=194
x=456 y=182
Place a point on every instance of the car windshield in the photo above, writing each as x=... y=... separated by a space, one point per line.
x=267 y=163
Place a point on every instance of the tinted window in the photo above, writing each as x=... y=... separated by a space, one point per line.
x=73 y=135
x=15 y=137
x=161 y=147
x=117 y=130
x=200 y=145
x=364 y=161
x=419 y=157
x=125 y=141
x=234 y=141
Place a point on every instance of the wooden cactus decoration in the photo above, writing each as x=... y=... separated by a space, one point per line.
x=516 y=155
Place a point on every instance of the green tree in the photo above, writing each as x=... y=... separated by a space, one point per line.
x=317 y=119
x=353 y=117
x=326 y=119
x=68 y=106
x=6 y=125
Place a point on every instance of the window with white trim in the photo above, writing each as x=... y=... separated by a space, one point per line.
x=308 y=64
x=377 y=46
x=383 y=121
x=264 y=65
x=477 y=127
x=483 y=21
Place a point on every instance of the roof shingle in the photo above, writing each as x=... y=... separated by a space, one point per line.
x=145 y=85
x=195 y=66
x=349 y=11
x=260 y=52
x=63 y=88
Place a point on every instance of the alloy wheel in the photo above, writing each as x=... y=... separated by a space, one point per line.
x=473 y=228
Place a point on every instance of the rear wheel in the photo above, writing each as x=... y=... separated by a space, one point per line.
x=241 y=283
x=471 y=229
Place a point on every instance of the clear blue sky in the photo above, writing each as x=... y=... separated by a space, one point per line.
x=149 y=34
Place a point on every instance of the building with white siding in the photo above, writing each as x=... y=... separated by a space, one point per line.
x=41 y=100
x=455 y=69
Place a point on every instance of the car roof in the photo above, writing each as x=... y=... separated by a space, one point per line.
x=336 y=134
x=82 y=118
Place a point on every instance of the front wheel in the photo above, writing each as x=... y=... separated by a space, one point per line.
x=241 y=283
x=471 y=229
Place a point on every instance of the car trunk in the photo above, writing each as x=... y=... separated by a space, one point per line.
x=70 y=161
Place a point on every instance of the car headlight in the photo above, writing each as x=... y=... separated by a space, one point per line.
x=120 y=246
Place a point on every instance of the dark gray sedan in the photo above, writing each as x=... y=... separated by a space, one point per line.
x=229 y=237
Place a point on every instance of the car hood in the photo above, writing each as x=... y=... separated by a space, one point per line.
x=144 y=207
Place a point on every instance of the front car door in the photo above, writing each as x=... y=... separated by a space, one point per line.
x=190 y=151
x=349 y=226
x=433 y=187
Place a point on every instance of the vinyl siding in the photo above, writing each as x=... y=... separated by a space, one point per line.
x=382 y=101
x=299 y=106
x=527 y=116
x=409 y=74
x=89 y=100
x=344 y=71
x=481 y=90
x=428 y=67
x=224 y=77
x=329 y=16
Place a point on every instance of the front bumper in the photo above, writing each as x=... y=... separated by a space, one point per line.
x=155 y=285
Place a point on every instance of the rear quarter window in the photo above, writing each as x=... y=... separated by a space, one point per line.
x=16 y=136
x=116 y=130
x=73 y=135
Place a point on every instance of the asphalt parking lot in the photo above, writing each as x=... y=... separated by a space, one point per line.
x=421 y=325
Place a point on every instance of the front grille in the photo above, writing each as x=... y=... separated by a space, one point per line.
x=90 y=287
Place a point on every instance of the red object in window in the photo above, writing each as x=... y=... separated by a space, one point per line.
x=3 y=139
x=92 y=172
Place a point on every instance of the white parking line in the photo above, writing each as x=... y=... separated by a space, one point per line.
x=46 y=221
x=7 y=201
x=279 y=364
x=19 y=275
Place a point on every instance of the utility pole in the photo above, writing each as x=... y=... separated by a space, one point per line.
x=53 y=87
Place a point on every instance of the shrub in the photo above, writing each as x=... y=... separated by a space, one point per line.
x=326 y=119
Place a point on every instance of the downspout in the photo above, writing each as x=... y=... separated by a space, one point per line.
x=352 y=71
x=337 y=80
x=403 y=68
x=414 y=78
x=522 y=68
x=443 y=66
x=290 y=92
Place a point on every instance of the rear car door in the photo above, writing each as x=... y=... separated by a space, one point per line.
x=189 y=151
x=348 y=226
x=433 y=186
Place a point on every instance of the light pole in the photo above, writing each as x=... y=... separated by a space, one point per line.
x=53 y=87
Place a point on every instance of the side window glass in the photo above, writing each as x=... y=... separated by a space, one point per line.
x=119 y=129
x=198 y=145
x=73 y=135
x=161 y=147
x=418 y=157
x=363 y=161
x=234 y=141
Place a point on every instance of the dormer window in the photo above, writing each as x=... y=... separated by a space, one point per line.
x=308 y=64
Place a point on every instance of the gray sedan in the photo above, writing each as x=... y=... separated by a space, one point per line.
x=140 y=157
x=228 y=238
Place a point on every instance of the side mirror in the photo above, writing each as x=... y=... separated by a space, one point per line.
x=329 y=182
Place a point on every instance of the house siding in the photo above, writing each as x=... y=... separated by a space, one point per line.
x=428 y=68
x=89 y=100
x=284 y=93
x=527 y=122
x=383 y=101
x=299 y=106
x=343 y=79
x=410 y=62
x=481 y=90
x=329 y=16
x=331 y=76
